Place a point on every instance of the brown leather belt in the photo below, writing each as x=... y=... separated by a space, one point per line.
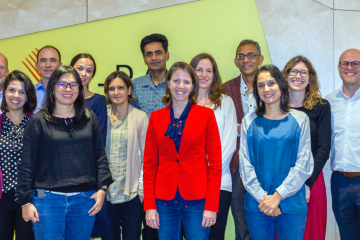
x=349 y=174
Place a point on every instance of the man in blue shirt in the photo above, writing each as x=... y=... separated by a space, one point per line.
x=4 y=71
x=48 y=59
x=149 y=89
x=345 y=142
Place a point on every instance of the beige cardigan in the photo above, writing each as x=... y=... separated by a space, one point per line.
x=137 y=126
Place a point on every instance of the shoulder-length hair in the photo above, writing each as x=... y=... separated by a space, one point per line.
x=216 y=88
x=312 y=91
x=283 y=86
x=123 y=76
x=31 y=101
x=49 y=99
x=195 y=81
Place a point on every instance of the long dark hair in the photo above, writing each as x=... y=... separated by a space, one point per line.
x=31 y=101
x=216 y=88
x=49 y=99
x=284 y=88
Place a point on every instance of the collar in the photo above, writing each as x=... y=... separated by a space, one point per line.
x=243 y=87
x=355 y=97
x=39 y=85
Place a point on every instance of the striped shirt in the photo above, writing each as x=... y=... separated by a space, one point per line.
x=116 y=150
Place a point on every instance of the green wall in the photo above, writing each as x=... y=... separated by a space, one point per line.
x=212 y=26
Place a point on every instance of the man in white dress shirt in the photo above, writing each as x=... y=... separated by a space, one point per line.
x=345 y=146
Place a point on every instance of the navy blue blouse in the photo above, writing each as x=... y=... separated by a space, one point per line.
x=174 y=132
x=97 y=104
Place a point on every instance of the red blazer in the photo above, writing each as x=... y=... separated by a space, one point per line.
x=196 y=170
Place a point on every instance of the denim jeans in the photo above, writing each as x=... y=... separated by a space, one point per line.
x=286 y=226
x=171 y=219
x=61 y=215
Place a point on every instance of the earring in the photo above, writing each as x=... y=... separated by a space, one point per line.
x=282 y=98
x=260 y=102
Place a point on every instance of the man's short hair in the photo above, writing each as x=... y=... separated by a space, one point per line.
x=156 y=37
x=48 y=46
x=248 y=41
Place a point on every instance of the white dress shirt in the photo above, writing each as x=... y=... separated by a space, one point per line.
x=226 y=121
x=248 y=102
x=345 y=131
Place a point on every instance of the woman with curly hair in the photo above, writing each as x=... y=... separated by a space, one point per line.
x=305 y=96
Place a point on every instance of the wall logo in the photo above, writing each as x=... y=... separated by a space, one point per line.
x=32 y=69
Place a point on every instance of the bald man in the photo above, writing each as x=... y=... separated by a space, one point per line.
x=345 y=149
x=4 y=71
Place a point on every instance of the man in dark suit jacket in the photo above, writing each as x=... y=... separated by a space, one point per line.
x=248 y=58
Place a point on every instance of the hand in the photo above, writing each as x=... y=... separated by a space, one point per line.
x=152 y=218
x=141 y=198
x=29 y=212
x=307 y=193
x=99 y=198
x=269 y=204
x=239 y=129
x=209 y=218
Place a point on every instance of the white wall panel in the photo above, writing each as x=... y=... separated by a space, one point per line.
x=305 y=28
x=328 y=3
x=101 y=9
x=19 y=17
x=345 y=36
x=347 y=4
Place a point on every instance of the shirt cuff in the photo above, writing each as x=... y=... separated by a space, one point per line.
x=282 y=191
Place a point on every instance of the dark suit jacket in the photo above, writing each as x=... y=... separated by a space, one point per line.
x=195 y=170
x=233 y=90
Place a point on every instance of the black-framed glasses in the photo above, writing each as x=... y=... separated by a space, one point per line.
x=345 y=64
x=303 y=73
x=250 y=55
x=64 y=85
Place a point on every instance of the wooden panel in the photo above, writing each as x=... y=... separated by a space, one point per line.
x=305 y=28
x=345 y=36
x=347 y=4
x=101 y=9
x=328 y=3
x=19 y=17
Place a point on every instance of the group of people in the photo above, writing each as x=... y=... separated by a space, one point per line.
x=174 y=149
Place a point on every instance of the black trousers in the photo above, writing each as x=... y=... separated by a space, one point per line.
x=148 y=233
x=128 y=216
x=217 y=231
x=237 y=207
x=11 y=219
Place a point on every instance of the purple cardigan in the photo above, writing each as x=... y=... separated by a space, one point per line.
x=1 y=176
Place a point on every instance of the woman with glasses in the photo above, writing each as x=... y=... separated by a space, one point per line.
x=64 y=172
x=212 y=95
x=275 y=161
x=18 y=105
x=305 y=96
x=125 y=144
x=85 y=65
x=182 y=161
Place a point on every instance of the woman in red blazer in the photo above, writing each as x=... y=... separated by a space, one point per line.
x=182 y=161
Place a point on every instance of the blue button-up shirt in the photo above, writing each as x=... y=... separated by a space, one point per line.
x=148 y=96
x=40 y=93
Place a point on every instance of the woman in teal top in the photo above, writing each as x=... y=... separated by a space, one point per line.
x=275 y=161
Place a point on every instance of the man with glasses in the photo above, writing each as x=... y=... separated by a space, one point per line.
x=4 y=71
x=48 y=59
x=345 y=146
x=248 y=59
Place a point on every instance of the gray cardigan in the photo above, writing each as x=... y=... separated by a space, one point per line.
x=137 y=126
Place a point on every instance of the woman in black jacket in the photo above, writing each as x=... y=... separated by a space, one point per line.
x=64 y=173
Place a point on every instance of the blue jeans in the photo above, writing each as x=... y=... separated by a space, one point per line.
x=61 y=215
x=286 y=226
x=171 y=219
x=345 y=193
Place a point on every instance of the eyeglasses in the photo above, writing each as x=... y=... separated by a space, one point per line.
x=344 y=64
x=250 y=55
x=64 y=85
x=2 y=68
x=303 y=73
